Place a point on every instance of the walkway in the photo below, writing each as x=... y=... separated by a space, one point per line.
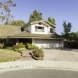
x=26 y=55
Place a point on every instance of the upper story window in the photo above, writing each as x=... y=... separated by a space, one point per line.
x=39 y=29
x=39 y=23
x=51 y=30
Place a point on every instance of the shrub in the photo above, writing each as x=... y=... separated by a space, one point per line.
x=34 y=47
x=1 y=46
x=38 y=52
x=19 y=47
x=29 y=46
x=14 y=47
x=9 y=48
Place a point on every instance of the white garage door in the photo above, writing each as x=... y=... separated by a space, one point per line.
x=49 y=43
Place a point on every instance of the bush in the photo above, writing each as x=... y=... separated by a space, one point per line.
x=9 y=48
x=73 y=45
x=1 y=46
x=29 y=46
x=34 y=47
x=19 y=47
x=38 y=52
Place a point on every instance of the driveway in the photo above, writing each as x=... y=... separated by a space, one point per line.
x=61 y=55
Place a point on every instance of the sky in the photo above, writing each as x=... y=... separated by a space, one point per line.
x=61 y=10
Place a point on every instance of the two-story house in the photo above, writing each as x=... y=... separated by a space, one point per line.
x=40 y=33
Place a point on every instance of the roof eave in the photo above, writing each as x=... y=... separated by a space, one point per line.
x=37 y=37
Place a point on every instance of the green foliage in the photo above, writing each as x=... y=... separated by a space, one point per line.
x=76 y=34
x=38 y=52
x=52 y=20
x=14 y=47
x=34 y=47
x=19 y=47
x=5 y=12
x=66 y=28
x=29 y=46
x=35 y=16
x=17 y=23
x=9 y=48
x=10 y=43
x=1 y=46
x=8 y=55
x=73 y=44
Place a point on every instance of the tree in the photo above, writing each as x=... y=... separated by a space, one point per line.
x=52 y=20
x=77 y=34
x=67 y=28
x=17 y=23
x=35 y=16
x=5 y=15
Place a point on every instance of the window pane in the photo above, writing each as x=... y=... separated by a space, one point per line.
x=51 y=30
x=39 y=29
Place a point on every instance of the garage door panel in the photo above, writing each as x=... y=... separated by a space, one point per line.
x=48 y=43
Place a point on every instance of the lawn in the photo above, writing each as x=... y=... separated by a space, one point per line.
x=8 y=55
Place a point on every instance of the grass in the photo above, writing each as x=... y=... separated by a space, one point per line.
x=8 y=55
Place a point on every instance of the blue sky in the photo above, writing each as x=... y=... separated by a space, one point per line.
x=61 y=10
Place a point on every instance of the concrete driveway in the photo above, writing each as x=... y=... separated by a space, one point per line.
x=61 y=55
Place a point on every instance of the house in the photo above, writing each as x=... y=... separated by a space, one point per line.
x=40 y=33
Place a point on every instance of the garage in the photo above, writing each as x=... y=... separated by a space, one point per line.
x=49 y=43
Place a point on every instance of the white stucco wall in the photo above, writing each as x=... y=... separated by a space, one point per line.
x=33 y=29
x=48 y=43
x=28 y=28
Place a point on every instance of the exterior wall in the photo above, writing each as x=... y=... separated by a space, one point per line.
x=48 y=30
x=28 y=29
x=31 y=29
x=48 y=43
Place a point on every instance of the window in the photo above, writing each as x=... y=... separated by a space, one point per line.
x=39 y=29
x=51 y=30
x=39 y=23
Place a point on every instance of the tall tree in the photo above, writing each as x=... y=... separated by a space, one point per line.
x=35 y=16
x=17 y=23
x=77 y=34
x=66 y=28
x=5 y=12
x=52 y=20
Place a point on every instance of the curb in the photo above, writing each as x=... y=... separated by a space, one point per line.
x=18 y=65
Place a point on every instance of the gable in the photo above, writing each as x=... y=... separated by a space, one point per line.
x=44 y=22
